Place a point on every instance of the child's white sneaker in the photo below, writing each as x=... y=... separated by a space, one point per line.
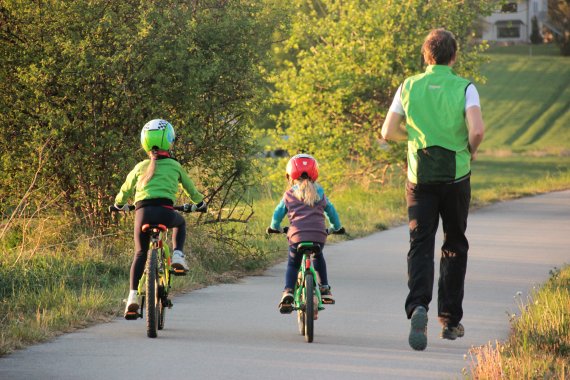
x=132 y=303
x=178 y=262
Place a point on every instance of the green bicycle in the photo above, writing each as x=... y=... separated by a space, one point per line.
x=154 y=285
x=308 y=301
x=307 y=294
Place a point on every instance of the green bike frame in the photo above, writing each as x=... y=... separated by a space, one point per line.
x=306 y=267
x=163 y=267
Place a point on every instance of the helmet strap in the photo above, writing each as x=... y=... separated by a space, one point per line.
x=159 y=153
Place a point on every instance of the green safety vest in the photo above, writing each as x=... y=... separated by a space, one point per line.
x=438 y=140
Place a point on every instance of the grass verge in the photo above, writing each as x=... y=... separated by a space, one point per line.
x=539 y=344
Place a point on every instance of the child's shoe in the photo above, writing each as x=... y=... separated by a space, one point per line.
x=326 y=295
x=132 y=305
x=178 y=263
x=286 y=304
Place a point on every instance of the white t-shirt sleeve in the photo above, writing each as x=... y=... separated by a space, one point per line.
x=471 y=97
x=397 y=106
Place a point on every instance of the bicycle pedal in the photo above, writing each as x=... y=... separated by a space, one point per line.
x=178 y=272
x=132 y=315
x=285 y=309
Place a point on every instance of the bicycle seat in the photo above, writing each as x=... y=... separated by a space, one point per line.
x=308 y=247
x=154 y=227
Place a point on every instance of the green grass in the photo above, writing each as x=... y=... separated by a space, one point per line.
x=498 y=178
x=526 y=100
x=52 y=292
x=539 y=344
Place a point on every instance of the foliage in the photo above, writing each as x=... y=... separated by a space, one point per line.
x=559 y=16
x=79 y=79
x=345 y=61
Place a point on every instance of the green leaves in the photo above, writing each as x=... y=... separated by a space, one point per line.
x=345 y=61
x=83 y=77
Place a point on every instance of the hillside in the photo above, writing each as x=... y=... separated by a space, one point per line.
x=526 y=100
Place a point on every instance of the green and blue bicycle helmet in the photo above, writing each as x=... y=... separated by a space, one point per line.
x=157 y=134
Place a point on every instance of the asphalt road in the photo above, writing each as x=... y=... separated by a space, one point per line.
x=234 y=331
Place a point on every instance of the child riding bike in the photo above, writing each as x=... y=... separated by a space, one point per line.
x=154 y=183
x=306 y=206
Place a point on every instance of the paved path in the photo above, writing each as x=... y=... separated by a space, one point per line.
x=235 y=332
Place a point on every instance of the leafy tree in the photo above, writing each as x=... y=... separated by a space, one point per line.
x=78 y=80
x=559 y=14
x=349 y=58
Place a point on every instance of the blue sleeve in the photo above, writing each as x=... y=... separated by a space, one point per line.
x=278 y=215
x=330 y=211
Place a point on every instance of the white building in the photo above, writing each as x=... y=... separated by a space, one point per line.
x=513 y=21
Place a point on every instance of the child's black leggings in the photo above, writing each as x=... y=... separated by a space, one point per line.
x=154 y=215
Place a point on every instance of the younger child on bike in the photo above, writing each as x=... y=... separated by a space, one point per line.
x=154 y=183
x=306 y=207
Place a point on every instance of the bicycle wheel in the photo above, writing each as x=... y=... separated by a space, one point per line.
x=309 y=307
x=152 y=299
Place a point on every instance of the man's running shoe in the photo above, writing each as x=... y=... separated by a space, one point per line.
x=452 y=332
x=326 y=295
x=418 y=330
x=286 y=304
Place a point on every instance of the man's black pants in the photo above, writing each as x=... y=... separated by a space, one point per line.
x=426 y=203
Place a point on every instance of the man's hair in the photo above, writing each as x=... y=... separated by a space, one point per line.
x=439 y=47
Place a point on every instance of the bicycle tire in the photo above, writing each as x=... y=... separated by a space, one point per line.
x=152 y=299
x=309 y=307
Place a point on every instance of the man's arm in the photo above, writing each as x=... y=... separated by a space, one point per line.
x=392 y=128
x=476 y=129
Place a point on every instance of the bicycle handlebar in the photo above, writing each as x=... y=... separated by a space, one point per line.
x=116 y=209
x=340 y=231
x=182 y=208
